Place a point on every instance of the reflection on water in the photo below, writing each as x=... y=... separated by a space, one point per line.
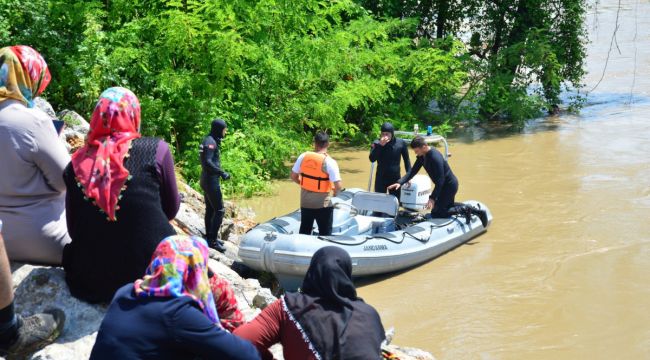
x=562 y=273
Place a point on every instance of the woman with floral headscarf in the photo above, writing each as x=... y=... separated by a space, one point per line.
x=121 y=195
x=170 y=313
x=32 y=200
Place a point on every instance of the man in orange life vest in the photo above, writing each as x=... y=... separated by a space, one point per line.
x=316 y=173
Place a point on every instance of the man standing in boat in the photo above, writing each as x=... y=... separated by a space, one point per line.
x=317 y=174
x=387 y=152
x=446 y=184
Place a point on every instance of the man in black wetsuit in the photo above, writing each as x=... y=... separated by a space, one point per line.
x=387 y=152
x=211 y=174
x=443 y=195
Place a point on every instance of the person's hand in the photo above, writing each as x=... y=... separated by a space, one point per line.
x=383 y=140
x=395 y=186
x=430 y=203
x=225 y=176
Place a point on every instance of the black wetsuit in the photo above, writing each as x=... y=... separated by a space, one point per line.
x=211 y=175
x=388 y=161
x=446 y=183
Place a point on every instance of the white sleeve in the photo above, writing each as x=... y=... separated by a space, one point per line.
x=296 y=166
x=332 y=169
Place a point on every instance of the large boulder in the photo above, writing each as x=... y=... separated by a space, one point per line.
x=37 y=288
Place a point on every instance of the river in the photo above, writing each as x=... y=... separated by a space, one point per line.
x=563 y=271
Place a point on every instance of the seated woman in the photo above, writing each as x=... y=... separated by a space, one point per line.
x=170 y=313
x=32 y=192
x=326 y=321
x=121 y=195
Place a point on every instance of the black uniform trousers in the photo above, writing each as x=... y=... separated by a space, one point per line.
x=323 y=217
x=382 y=182
x=214 y=209
x=445 y=200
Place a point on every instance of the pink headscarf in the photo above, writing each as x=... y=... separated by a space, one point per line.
x=99 y=165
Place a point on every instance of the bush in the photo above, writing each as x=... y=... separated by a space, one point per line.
x=276 y=71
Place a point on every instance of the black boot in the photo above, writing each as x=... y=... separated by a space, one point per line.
x=467 y=213
x=217 y=245
x=482 y=215
x=34 y=333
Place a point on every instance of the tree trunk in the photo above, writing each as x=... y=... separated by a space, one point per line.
x=441 y=18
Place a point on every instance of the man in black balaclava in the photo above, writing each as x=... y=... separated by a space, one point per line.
x=442 y=199
x=387 y=151
x=211 y=174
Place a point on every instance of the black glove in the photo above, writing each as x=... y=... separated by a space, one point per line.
x=225 y=176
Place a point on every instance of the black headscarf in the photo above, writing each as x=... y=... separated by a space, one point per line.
x=216 y=128
x=337 y=323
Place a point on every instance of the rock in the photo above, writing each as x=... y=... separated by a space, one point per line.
x=193 y=223
x=37 y=288
x=44 y=106
x=74 y=142
x=227 y=227
x=407 y=353
x=193 y=199
x=191 y=217
x=75 y=130
x=390 y=333
x=263 y=298
x=74 y=122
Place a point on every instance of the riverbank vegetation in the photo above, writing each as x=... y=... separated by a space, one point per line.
x=277 y=70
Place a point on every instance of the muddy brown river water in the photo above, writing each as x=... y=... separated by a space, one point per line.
x=563 y=271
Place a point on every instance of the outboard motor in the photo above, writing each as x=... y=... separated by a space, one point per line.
x=416 y=196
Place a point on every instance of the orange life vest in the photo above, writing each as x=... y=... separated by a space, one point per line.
x=312 y=176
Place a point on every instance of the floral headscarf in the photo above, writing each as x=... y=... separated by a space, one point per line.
x=99 y=165
x=23 y=74
x=180 y=268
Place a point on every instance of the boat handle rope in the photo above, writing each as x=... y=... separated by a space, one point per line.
x=341 y=242
x=424 y=240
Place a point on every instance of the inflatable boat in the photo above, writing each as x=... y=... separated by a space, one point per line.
x=379 y=235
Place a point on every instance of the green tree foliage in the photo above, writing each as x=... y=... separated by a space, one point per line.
x=522 y=51
x=276 y=70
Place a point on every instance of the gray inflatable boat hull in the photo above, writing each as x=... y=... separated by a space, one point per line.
x=275 y=246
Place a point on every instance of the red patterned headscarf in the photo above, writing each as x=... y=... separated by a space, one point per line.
x=99 y=165
x=23 y=74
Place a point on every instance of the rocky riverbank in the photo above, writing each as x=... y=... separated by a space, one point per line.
x=37 y=287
